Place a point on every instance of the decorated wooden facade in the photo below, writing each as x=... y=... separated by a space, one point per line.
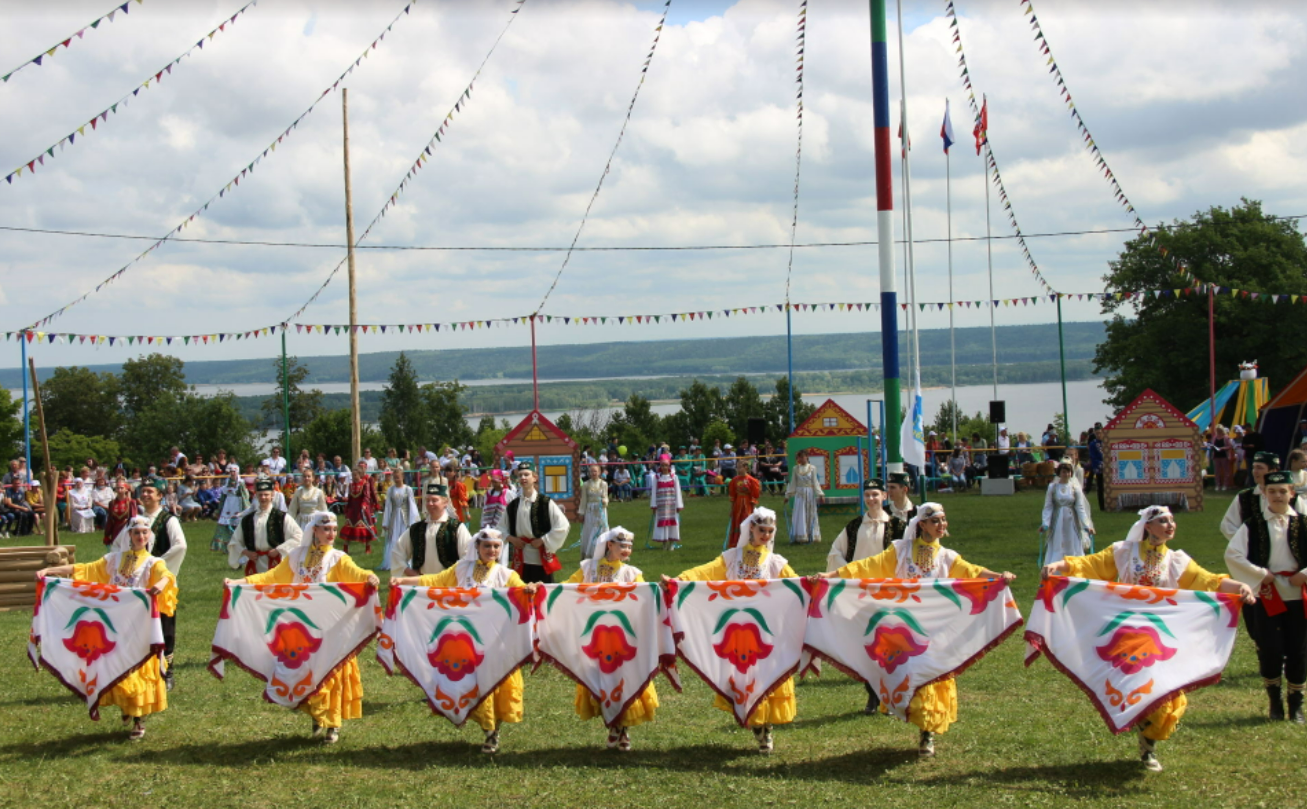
x=1152 y=455
x=556 y=457
x=831 y=438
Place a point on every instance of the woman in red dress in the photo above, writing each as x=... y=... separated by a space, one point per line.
x=360 y=510
x=121 y=510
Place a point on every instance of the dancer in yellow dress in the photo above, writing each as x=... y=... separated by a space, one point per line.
x=143 y=692
x=318 y=562
x=1144 y=559
x=920 y=556
x=480 y=567
x=608 y=563
x=756 y=559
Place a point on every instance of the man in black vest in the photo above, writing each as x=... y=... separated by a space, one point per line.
x=433 y=544
x=264 y=534
x=535 y=527
x=170 y=546
x=1268 y=553
x=899 y=505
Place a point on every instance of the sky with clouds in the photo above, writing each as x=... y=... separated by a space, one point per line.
x=1194 y=104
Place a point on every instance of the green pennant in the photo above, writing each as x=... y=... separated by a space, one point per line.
x=186 y=340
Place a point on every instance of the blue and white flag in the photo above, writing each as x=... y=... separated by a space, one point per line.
x=946 y=129
x=913 y=444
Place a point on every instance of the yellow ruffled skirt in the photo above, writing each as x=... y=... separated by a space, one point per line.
x=140 y=693
x=779 y=708
x=935 y=707
x=1161 y=723
x=504 y=705
x=340 y=698
x=641 y=711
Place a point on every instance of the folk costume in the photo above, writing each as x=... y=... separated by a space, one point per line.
x=430 y=545
x=265 y=533
x=666 y=503
x=304 y=502
x=1249 y=502
x=904 y=511
x=864 y=536
x=497 y=497
x=235 y=501
x=1067 y=522
x=458 y=498
x=598 y=569
x=935 y=706
x=505 y=703
x=341 y=694
x=1275 y=543
x=1135 y=561
x=400 y=513
x=81 y=517
x=594 y=510
x=744 y=491
x=144 y=691
x=529 y=517
x=746 y=561
x=120 y=511
x=803 y=490
x=167 y=543
x=360 y=513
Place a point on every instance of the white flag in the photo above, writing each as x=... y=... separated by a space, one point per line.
x=913 y=444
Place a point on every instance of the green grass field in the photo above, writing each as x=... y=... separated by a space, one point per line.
x=1025 y=737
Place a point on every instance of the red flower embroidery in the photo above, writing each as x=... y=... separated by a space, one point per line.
x=1049 y=589
x=816 y=592
x=979 y=592
x=742 y=646
x=455 y=655
x=1134 y=648
x=360 y=591
x=96 y=590
x=608 y=646
x=293 y=645
x=892 y=646
x=526 y=605
x=225 y=612
x=89 y=641
x=392 y=601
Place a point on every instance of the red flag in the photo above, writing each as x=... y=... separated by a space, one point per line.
x=982 y=126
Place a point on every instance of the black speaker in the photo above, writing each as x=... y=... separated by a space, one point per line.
x=998 y=466
x=998 y=413
x=757 y=431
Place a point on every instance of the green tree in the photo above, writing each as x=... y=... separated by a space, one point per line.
x=1241 y=248
x=81 y=401
x=446 y=415
x=743 y=403
x=329 y=434
x=404 y=414
x=717 y=431
x=148 y=378
x=700 y=406
x=11 y=427
x=777 y=410
x=305 y=406
x=70 y=449
x=944 y=419
x=201 y=424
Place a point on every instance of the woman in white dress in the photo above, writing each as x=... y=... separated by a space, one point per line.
x=235 y=499
x=1066 y=522
x=401 y=512
x=804 y=491
x=594 y=510
x=81 y=517
x=307 y=500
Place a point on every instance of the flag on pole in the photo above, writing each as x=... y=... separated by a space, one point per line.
x=982 y=126
x=905 y=144
x=946 y=129
x=913 y=443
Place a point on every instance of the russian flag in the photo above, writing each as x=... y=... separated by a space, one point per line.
x=946 y=129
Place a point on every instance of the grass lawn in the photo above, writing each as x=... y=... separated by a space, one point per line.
x=1025 y=737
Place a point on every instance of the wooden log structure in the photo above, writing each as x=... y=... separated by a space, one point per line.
x=18 y=567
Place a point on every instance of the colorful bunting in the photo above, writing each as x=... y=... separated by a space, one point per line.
x=67 y=42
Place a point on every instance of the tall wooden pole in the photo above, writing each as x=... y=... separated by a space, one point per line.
x=356 y=426
x=49 y=486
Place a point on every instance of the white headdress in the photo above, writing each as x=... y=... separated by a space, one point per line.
x=618 y=534
x=142 y=522
x=1146 y=516
x=473 y=554
x=760 y=514
x=924 y=512
x=319 y=518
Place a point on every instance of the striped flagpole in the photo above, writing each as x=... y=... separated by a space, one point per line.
x=889 y=303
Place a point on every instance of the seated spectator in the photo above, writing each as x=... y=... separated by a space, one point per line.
x=36 y=499
x=81 y=518
x=622 y=483
x=207 y=495
x=188 y=506
x=101 y=497
x=15 y=505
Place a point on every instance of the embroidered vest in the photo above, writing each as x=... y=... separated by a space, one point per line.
x=1249 y=503
x=1259 y=539
x=540 y=522
x=162 y=542
x=276 y=529
x=446 y=543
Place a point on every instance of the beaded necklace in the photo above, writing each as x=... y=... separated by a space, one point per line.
x=750 y=566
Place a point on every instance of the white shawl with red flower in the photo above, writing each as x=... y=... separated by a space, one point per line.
x=1131 y=648
x=744 y=638
x=293 y=636
x=612 y=638
x=91 y=636
x=458 y=644
x=899 y=635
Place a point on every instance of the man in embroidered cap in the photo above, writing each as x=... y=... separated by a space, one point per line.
x=535 y=527
x=1252 y=500
x=432 y=544
x=899 y=505
x=264 y=534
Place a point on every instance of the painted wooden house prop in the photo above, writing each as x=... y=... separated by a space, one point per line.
x=831 y=437
x=556 y=457
x=1152 y=455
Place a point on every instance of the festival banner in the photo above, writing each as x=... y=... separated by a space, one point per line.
x=743 y=638
x=1131 y=648
x=458 y=644
x=91 y=636
x=612 y=639
x=292 y=636
x=901 y=635
x=67 y=42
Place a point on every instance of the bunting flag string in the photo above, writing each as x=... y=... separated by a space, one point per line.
x=798 y=151
x=102 y=117
x=644 y=72
x=67 y=42
x=990 y=161
x=1100 y=161
x=236 y=179
x=330 y=329
x=424 y=156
